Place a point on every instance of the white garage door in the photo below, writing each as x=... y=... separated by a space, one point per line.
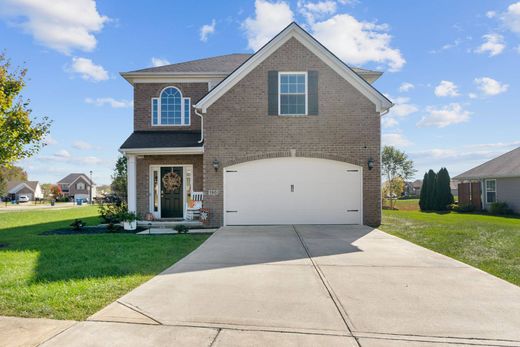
x=292 y=191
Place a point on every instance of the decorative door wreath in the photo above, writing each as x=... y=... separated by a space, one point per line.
x=171 y=182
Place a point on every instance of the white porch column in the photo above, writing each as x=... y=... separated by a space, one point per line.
x=131 y=183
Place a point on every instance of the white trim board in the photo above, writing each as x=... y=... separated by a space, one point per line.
x=293 y=30
x=151 y=169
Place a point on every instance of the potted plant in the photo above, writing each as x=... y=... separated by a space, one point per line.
x=129 y=220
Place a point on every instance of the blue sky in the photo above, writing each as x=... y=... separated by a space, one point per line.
x=452 y=67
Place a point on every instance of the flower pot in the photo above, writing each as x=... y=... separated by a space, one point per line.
x=130 y=225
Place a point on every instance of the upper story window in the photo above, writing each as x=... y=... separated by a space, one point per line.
x=64 y=187
x=80 y=186
x=171 y=108
x=292 y=88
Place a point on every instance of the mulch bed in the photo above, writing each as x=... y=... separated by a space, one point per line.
x=92 y=230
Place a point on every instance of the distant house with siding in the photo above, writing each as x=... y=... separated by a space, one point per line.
x=496 y=180
x=31 y=189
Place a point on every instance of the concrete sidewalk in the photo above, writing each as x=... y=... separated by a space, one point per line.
x=18 y=332
x=309 y=285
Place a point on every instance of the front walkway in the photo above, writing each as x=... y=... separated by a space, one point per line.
x=309 y=285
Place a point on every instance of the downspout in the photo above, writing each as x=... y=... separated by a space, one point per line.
x=201 y=125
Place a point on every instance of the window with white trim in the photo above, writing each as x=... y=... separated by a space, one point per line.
x=491 y=191
x=171 y=108
x=292 y=93
x=80 y=186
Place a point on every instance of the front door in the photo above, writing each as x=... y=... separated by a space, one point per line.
x=172 y=192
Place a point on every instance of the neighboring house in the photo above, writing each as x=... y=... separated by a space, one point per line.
x=495 y=180
x=31 y=189
x=417 y=185
x=287 y=135
x=77 y=186
x=454 y=187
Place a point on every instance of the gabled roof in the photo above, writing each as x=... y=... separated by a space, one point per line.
x=218 y=67
x=222 y=64
x=506 y=165
x=71 y=178
x=15 y=186
x=293 y=30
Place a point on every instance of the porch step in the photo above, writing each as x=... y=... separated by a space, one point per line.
x=168 y=231
x=168 y=224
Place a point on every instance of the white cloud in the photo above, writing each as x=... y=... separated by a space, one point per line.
x=62 y=154
x=206 y=30
x=122 y=103
x=518 y=49
x=444 y=116
x=491 y=14
x=49 y=140
x=402 y=107
x=406 y=86
x=493 y=44
x=395 y=139
x=62 y=25
x=446 y=88
x=472 y=95
x=159 y=61
x=490 y=86
x=353 y=41
x=389 y=122
x=269 y=20
x=511 y=18
x=82 y=145
x=358 y=42
x=313 y=10
x=88 y=70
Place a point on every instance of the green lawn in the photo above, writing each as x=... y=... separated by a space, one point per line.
x=487 y=242
x=73 y=276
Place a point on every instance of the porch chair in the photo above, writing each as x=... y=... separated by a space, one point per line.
x=194 y=205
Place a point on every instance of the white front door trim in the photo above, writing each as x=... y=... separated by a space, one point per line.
x=157 y=167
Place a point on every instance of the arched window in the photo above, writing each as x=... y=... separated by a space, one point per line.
x=171 y=108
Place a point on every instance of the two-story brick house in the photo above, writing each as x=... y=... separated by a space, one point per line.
x=288 y=135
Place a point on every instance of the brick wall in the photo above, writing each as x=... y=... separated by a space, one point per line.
x=143 y=94
x=143 y=175
x=237 y=128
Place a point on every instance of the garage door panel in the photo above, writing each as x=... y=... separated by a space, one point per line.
x=292 y=191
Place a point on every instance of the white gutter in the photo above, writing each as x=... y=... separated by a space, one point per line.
x=201 y=125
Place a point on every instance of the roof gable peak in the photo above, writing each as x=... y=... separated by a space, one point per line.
x=293 y=30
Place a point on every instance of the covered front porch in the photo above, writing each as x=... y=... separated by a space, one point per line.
x=164 y=182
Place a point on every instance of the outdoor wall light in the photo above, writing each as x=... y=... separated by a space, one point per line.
x=216 y=164
x=370 y=163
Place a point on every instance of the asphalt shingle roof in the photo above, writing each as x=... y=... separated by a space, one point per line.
x=220 y=64
x=507 y=165
x=162 y=139
x=72 y=177
x=13 y=184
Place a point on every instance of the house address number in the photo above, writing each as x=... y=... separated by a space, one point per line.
x=213 y=192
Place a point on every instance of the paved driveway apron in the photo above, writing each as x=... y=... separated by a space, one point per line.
x=309 y=285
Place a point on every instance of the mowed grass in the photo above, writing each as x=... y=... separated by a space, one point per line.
x=487 y=242
x=73 y=276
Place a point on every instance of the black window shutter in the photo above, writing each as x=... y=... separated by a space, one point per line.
x=272 y=93
x=312 y=84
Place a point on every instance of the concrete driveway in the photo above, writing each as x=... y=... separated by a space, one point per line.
x=309 y=285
